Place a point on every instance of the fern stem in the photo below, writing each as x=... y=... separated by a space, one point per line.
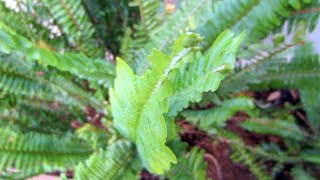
x=306 y=11
x=266 y=58
x=174 y=61
x=70 y=15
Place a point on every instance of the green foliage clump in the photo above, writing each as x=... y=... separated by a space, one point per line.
x=69 y=102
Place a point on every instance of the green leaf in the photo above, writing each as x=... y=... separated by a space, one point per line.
x=35 y=152
x=282 y=128
x=214 y=118
x=310 y=98
x=138 y=103
x=97 y=71
x=190 y=167
x=205 y=73
x=107 y=164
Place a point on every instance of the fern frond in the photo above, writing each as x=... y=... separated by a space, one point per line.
x=258 y=17
x=20 y=84
x=242 y=79
x=34 y=152
x=173 y=26
x=20 y=78
x=204 y=74
x=301 y=71
x=242 y=155
x=219 y=20
x=309 y=14
x=34 y=116
x=282 y=128
x=107 y=164
x=276 y=71
x=149 y=10
x=190 y=167
x=34 y=23
x=283 y=74
x=96 y=71
x=74 y=22
x=140 y=118
x=214 y=118
x=301 y=173
x=310 y=98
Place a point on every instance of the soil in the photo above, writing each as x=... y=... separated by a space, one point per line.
x=218 y=151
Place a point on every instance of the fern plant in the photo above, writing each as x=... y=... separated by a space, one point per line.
x=67 y=104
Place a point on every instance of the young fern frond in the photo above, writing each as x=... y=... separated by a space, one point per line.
x=33 y=152
x=141 y=118
x=205 y=73
x=111 y=163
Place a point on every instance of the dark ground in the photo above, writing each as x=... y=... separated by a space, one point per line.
x=218 y=150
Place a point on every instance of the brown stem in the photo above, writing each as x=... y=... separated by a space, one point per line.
x=216 y=165
x=306 y=11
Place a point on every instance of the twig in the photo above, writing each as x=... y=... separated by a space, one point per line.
x=216 y=164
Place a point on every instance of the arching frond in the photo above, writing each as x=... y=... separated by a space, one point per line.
x=283 y=128
x=72 y=18
x=211 y=119
x=257 y=17
x=34 y=152
x=311 y=101
x=107 y=164
x=276 y=72
x=96 y=71
x=22 y=78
